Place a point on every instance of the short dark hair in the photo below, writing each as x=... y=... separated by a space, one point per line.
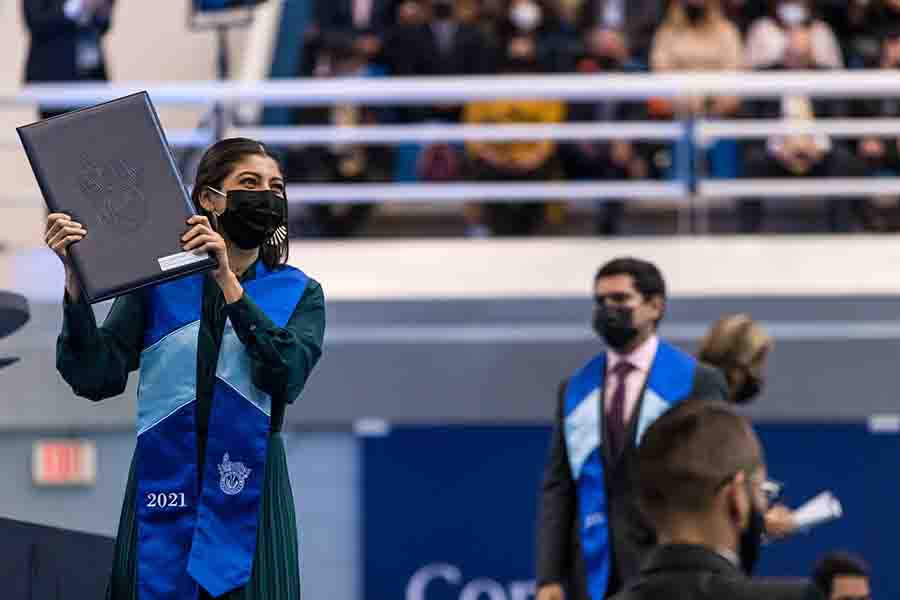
x=835 y=564
x=216 y=165
x=687 y=453
x=647 y=278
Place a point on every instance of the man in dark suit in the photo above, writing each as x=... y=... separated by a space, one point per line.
x=638 y=19
x=66 y=41
x=702 y=481
x=443 y=45
x=592 y=537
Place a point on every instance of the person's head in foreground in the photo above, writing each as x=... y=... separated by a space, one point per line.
x=240 y=188
x=842 y=576
x=702 y=481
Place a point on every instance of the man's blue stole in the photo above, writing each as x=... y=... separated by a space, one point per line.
x=670 y=380
x=207 y=534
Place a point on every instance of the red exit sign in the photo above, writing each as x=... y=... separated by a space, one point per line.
x=64 y=463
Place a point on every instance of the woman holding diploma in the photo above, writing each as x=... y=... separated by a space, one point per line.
x=208 y=508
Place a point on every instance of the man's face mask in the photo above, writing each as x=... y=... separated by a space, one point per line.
x=252 y=217
x=695 y=12
x=615 y=325
x=752 y=537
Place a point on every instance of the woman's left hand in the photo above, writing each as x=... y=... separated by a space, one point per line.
x=201 y=237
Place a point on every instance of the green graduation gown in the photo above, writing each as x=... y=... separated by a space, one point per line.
x=96 y=362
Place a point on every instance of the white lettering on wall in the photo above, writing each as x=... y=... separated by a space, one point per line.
x=477 y=589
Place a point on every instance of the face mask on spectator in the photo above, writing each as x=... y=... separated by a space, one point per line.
x=526 y=16
x=443 y=10
x=793 y=14
x=695 y=12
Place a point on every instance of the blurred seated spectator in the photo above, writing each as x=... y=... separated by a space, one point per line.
x=66 y=42
x=696 y=36
x=842 y=576
x=338 y=163
x=861 y=25
x=881 y=155
x=637 y=19
x=606 y=51
x=799 y=155
x=511 y=161
x=363 y=21
x=767 y=38
x=541 y=20
x=439 y=44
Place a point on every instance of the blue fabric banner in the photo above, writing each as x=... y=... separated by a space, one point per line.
x=449 y=513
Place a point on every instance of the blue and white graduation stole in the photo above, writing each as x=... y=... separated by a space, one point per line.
x=670 y=380
x=188 y=535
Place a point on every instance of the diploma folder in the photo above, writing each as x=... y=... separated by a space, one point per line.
x=110 y=168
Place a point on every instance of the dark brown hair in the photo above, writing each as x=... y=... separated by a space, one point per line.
x=687 y=453
x=216 y=165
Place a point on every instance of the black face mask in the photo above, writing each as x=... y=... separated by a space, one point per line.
x=443 y=10
x=695 y=12
x=752 y=537
x=615 y=325
x=749 y=389
x=252 y=216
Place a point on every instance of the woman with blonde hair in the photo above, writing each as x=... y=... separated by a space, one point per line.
x=739 y=347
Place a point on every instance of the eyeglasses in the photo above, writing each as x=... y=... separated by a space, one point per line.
x=772 y=489
x=769 y=487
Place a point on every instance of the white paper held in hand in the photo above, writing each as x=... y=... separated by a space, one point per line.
x=821 y=509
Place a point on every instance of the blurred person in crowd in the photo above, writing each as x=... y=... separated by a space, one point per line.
x=339 y=56
x=696 y=36
x=363 y=21
x=881 y=154
x=66 y=42
x=606 y=51
x=441 y=44
x=511 y=161
x=802 y=155
x=702 y=480
x=739 y=347
x=592 y=537
x=767 y=39
x=843 y=576
x=636 y=19
x=861 y=25
x=542 y=21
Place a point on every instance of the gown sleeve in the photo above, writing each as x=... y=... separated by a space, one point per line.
x=95 y=361
x=282 y=358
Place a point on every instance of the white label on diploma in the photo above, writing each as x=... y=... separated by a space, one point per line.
x=167 y=263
